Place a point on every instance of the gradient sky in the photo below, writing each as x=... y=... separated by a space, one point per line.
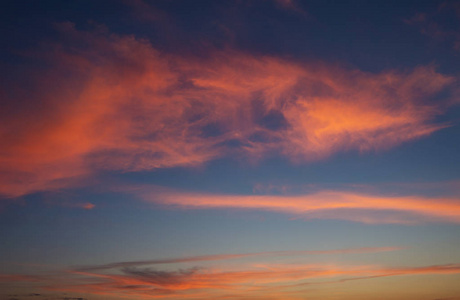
x=260 y=149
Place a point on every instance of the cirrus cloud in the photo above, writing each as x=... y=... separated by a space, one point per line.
x=112 y=102
x=322 y=204
x=262 y=281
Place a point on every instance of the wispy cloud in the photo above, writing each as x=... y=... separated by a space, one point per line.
x=321 y=204
x=17 y=277
x=117 y=103
x=255 y=280
x=259 y=282
x=292 y=5
x=434 y=25
x=233 y=256
x=82 y=205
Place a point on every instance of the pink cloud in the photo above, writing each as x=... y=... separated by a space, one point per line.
x=119 y=104
x=323 y=204
x=134 y=280
x=281 y=281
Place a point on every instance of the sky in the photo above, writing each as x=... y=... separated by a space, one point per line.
x=258 y=149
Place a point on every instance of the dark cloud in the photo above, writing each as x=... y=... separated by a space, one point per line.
x=129 y=264
x=442 y=25
x=162 y=278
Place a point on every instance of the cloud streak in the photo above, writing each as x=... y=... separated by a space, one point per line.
x=233 y=256
x=323 y=204
x=237 y=281
x=111 y=102
x=259 y=282
x=17 y=277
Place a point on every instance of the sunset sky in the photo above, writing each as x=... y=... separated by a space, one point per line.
x=245 y=149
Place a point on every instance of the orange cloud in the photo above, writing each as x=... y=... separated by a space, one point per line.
x=134 y=280
x=326 y=204
x=110 y=102
x=256 y=282
x=85 y=205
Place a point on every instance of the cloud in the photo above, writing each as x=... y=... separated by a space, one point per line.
x=321 y=204
x=246 y=280
x=86 y=205
x=257 y=282
x=219 y=257
x=291 y=5
x=65 y=203
x=17 y=277
x=114 y=102
x=437 y=26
